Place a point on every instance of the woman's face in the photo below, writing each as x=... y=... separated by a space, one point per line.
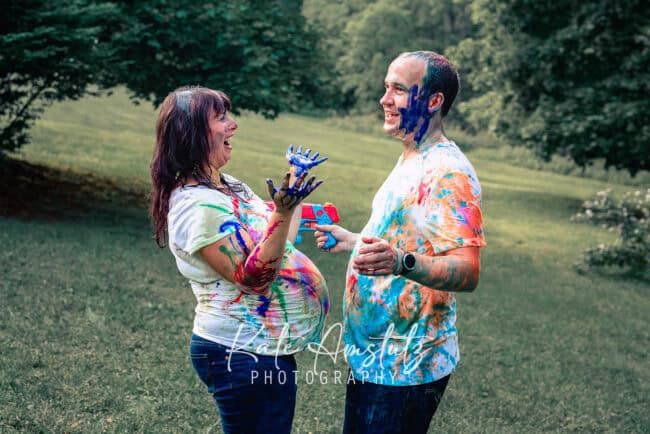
x=222 y=128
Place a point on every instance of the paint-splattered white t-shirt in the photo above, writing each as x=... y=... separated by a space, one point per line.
x=397 y=331
x=293 y=314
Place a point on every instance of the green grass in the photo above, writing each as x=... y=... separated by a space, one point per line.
x=95 y=320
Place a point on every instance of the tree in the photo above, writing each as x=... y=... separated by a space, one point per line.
x=330 y=17
x=49 y=51
x=568 y=77
x=262 y=53
x=365 y=36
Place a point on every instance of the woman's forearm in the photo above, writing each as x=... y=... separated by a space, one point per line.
x=263 y=263
x=294 y=226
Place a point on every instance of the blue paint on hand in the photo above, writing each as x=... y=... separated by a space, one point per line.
x=289 y=196
x=302 y=162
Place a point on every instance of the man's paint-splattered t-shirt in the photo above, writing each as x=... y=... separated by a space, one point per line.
x=398 y=332
x=293 y=314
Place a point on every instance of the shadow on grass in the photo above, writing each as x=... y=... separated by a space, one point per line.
x=622 y=274
x=38 y=192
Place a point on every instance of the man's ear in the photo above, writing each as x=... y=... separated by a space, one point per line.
x=435 y=102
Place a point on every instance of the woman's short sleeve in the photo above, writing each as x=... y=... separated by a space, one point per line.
x=210 y=224
x=199 y=220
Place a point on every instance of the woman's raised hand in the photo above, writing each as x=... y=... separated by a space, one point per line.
x=302 y=162
x=290 y=193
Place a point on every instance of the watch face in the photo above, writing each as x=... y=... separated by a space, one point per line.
x=409 y=261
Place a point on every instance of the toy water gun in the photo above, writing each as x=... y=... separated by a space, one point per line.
x=315 y=214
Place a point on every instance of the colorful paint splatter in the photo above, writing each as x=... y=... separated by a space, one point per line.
x=398 y=332
x=284 y=320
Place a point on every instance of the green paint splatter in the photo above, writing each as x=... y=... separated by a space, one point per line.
x=217 y=207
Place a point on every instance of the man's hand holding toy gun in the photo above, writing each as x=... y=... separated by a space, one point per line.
x=314 y=214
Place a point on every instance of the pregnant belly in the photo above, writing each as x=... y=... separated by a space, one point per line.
x=300 y=289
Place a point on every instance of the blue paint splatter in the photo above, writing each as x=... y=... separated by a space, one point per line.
x=264 y=307
x=302 y=161
x=417 y=108
x=237 y=227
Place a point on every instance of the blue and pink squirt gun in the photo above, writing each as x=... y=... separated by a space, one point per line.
x=312 y=214
x=315 y=214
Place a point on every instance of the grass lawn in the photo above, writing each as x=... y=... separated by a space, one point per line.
x=95 y=319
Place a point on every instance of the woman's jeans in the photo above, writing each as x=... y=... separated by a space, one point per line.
x=375 y=408
x=253 y=396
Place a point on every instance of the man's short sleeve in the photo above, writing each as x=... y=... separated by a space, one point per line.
x=453 y=210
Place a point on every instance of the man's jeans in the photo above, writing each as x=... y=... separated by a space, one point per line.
x=375 y=408
x=252 y=396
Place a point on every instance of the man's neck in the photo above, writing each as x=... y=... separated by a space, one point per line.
x=433 y=135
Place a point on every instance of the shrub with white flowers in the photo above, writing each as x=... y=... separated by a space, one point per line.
x=630 y=216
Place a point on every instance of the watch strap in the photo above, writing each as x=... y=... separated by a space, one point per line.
x=399 y=266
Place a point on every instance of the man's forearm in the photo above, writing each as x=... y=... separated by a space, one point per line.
x=446 y=273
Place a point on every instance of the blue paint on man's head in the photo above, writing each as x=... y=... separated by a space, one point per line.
x=440 y=76
x=416 y=112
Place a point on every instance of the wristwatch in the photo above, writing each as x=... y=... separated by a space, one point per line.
x=408 y=263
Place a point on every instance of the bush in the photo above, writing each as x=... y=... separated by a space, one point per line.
x=631 y=218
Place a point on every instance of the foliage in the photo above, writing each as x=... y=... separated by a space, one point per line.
x=568 y=77
x=631 y=218
x=331 y=18
x=261 y=53
x=489 y=149
x=50 y=51
x=367 y=36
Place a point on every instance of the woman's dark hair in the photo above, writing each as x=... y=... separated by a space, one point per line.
x=183 y=148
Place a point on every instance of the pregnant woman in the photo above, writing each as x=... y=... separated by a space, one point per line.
x=259 y=300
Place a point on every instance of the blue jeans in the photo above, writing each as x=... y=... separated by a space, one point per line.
x=252 y=396
x=375 y=408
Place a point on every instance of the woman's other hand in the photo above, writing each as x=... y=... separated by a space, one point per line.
x=291 y=193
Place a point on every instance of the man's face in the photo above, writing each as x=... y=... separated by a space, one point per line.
x=403 y=74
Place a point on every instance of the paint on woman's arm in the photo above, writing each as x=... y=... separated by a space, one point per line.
x=272 y=229
x=238 y=229
x=235 y=262
x=259 y=274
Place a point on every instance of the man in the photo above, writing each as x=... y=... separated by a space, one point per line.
x=420 y=246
